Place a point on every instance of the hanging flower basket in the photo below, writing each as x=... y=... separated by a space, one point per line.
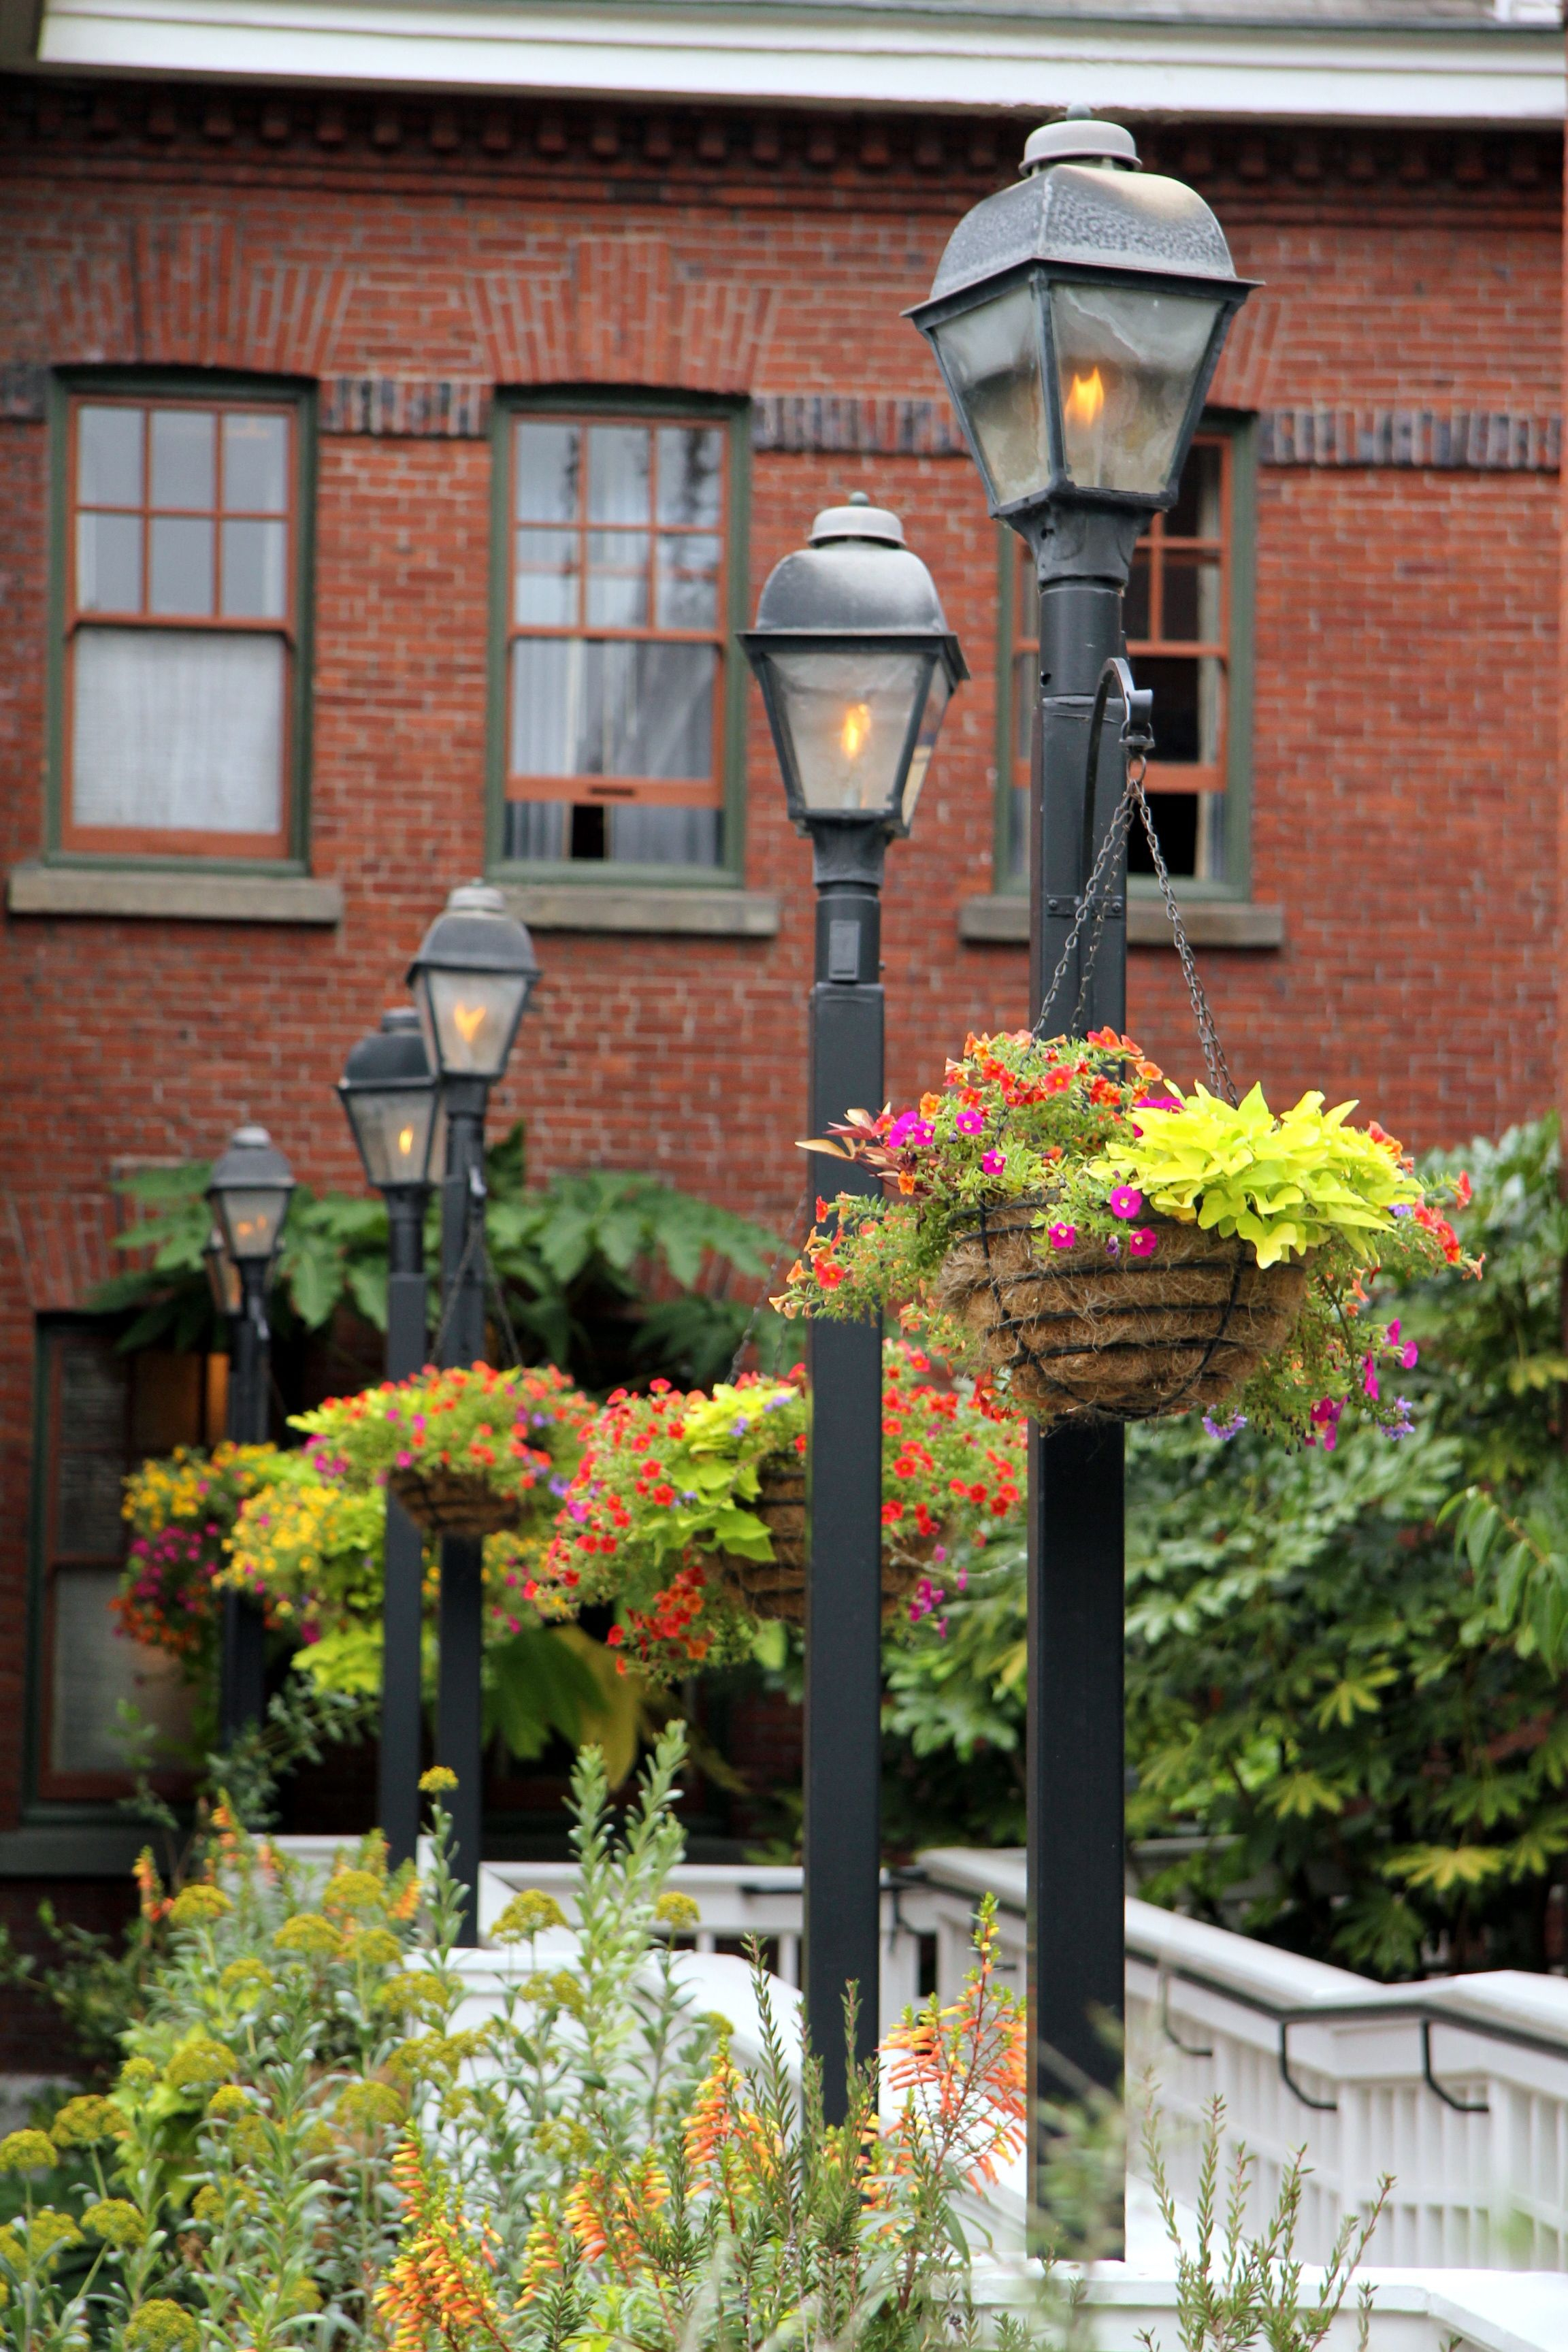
x=456 y=1502
x=1078 y=1331
x=776 y=1588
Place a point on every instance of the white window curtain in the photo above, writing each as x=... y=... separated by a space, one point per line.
x=178 y=730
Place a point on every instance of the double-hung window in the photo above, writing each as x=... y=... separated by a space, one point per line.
x=615 y=687
x=1184 y=625
x=182 y=636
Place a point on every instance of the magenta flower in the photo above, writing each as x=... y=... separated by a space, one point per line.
x=1325 y=1415
x=1392 y=1334
x=1142 y=1241
x=910 y=1132
x=1409 y=1355
x=993 y=1163
x=1063 y=1236
x=970 y=1122
x=1369 y=1379
x=1124 y=1202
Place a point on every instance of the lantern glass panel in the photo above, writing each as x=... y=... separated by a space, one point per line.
x=1128 y=360
x=992 y=357
x=223 y=1276
x=251 y=1217
x=847 y=718
x=470 y=1018
x=391 y=1128
x=938 y=696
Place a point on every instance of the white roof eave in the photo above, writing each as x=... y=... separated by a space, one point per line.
x=848 y=55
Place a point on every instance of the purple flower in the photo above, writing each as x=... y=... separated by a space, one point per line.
x=1125 y=1201
x=1113 y=1247
x=993 y=1163
x=558 y=1487
x=1405 y=1208
x=1403 y=1426
x=1225 y=1430
x=970 y=1122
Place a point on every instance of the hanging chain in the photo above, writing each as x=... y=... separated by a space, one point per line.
x=1218 y=1068
x=1134 y=800
x=474 y=1247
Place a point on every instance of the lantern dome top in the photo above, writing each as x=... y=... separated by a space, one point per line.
x=857 y=578
x=1081 y=214
x=475 y=931
x=391 y=1056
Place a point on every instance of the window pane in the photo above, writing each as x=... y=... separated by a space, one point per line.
x=183 y=448
x=108 y=457
x=108 y=563
x=689 y=580
x=691 y=473
x=1196 y=513
x=1187 y=706
x=1135 y=603
x=1176 y=822
x=95 y=1667
x=548 y=460
x=256 y=464
x=617 y=579
x=545 y=584
x=88 y=1497
x=178 y=729
x=535 y=829
x=618 y=709
x=180 y=575
x=619 y=462
x=662 y=836
x=1191 y=600
x=255 y=570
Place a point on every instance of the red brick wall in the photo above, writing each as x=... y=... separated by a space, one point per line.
x=1405 y=748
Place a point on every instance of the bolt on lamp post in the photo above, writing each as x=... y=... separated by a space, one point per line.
x=472 y=978
x=857 y=664
x=1078 y=319
x=388 y=1091
x=248 y=1193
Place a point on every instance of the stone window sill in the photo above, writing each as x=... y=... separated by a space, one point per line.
x=646 y=907
x=171 y=896
x=1003 y=921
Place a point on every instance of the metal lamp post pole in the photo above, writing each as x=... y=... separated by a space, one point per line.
x=843 y=1700
x=460 y=1732
x=402 y=1601
x=1074 y=1748
x=243 y=1684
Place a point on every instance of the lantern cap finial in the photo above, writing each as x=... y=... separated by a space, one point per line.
x=857 y=519
x=1079 y=138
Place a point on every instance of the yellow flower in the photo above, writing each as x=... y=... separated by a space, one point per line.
x=116 y=2220
x=197 y=1907
x=310 y=1935
x=86 y=2122
x=438 y=1778
x=527 y=1915
x=27 y=2151
x=677 y=1912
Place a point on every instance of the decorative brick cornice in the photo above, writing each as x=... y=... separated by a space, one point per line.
x=872 y=423
x=1469 y=440
x=423 y=408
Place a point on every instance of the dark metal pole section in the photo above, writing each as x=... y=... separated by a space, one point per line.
x=843 y=1725
x=242 y=1689
x=459 y=1737
x=1075 y=1764
x=401 y=1608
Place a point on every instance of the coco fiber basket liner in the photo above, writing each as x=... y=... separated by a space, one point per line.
x=1124 y=1338
x=454 y=1502
x=776 y=1587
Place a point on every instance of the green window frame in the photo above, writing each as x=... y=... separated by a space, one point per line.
x=571 y=404
x=1233 y=878
x=118 y=845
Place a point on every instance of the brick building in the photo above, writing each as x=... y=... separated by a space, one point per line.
x=398 y=416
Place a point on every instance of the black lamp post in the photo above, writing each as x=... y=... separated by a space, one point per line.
x=472 y=978
x=1078 y=319
x=248 y=1193
x=857 y=664
x=389 y=1092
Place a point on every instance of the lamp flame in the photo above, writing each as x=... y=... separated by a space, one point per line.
x=470 y=1020
x=404 y=1142
x=1085 y=400
x=856 y=731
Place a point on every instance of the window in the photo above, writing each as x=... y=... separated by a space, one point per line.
x=99 y=1412
x=617 y=617
x=182 y=656
x=1181 y=615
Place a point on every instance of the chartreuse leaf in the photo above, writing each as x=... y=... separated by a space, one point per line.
x=1445 y=1869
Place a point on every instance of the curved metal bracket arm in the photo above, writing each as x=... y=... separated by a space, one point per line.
x=1323 y=2106
x=1187 y=2049
x=1460 y=2106
x=1137 y=735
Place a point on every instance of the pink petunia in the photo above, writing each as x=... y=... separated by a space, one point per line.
x=1142 y=1241
x=1063 y=1236
x=1125 y=1201
x=1369 y=1379
x=1409 y=1355
x=970 y=1122
x=993 y=1163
